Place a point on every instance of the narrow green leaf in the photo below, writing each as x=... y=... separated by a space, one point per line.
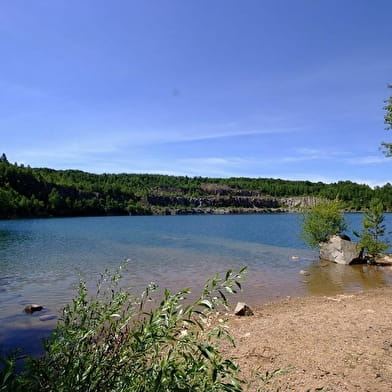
x=229 y=289
x=206 y=303
x=228 y=273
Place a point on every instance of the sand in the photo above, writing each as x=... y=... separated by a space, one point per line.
x=339 y=343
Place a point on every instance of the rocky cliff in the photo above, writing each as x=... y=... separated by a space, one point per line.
x=227 y=204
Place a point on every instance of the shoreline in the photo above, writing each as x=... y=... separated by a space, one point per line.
x=315 y=343
x=330 y=343
x=181 y=212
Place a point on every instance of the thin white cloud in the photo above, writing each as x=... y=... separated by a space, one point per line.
x=68 y=152
x=241 y=162
x=194 y=134
x=308 y=151
x=73 y=144
x=313 y=153
x=368 y=160
x=210 y=161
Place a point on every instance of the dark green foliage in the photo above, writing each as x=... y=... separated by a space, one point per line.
x=388 y=111
x=373 y=229
x=322 y=221
x=8 y=377
x=114 y=342
x=36 y=192
x=388 y=123
x=3 y=158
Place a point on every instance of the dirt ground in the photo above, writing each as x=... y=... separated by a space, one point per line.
x=340 y=343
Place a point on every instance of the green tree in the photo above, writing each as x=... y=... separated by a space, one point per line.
x=373 y=229
x=322 y=221
x=7 y=203
x=388 y=123
x=55 y=201
x=3 y=158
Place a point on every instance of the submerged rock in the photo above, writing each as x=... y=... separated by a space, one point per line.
x=48 y=317
x=33 y=308
x=340 y=250
x=242 y=309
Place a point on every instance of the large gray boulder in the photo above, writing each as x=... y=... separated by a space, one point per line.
x=340 y=250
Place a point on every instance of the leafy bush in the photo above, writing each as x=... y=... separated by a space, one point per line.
x=114 y=342
x=322 y=221
x=8 y=379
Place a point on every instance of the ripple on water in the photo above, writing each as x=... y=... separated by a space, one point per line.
x=40 y=260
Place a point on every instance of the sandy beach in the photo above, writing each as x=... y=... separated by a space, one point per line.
x=336 y=343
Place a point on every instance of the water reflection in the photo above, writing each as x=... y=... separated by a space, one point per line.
x=10 y=238
x=327 y=278
x=29 y=339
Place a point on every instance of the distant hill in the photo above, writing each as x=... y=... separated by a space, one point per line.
x=41 y=192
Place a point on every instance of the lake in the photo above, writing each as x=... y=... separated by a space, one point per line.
x=40 y=260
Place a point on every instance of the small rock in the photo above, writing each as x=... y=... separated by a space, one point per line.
x=242 y=309
x=47 y=317
x=305 y=273
x=33 y=308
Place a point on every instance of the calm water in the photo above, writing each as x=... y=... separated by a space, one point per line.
x=40 y=260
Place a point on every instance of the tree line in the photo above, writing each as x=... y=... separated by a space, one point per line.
x=41 y=192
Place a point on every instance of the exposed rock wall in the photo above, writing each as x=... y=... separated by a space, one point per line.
x=299 y=202
x=229 y=202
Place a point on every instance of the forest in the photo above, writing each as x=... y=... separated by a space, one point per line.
x=43 y=192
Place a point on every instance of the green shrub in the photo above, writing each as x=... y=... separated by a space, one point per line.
x=114 y=342
x=373 y=229
x=321 y=222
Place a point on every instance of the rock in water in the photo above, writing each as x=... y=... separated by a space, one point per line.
x=242 y=309
x=340 y=251
x=48 y=317
x=33 y=308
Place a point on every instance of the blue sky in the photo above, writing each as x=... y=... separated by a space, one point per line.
x=288 y=89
